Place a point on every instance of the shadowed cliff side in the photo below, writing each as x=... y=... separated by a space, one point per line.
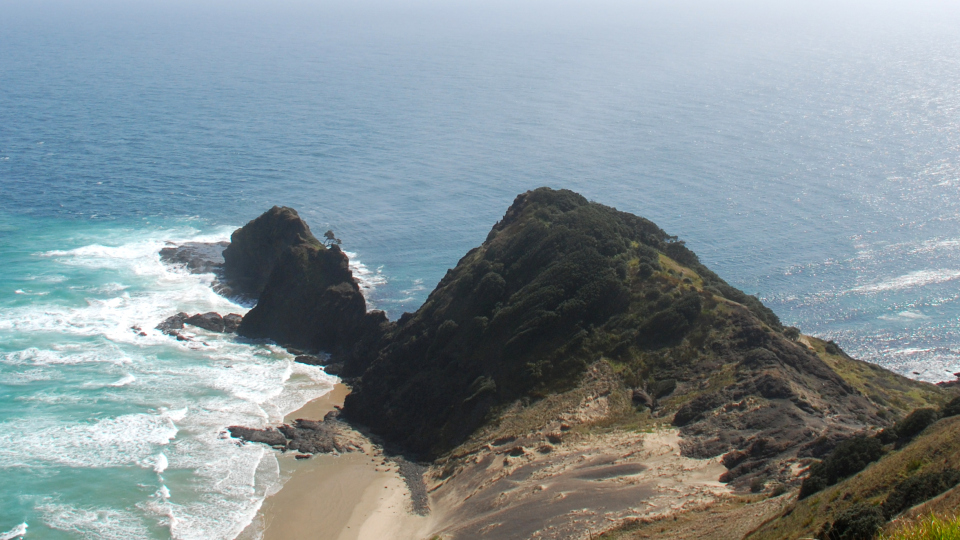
x=307 y=296
x=561 y=283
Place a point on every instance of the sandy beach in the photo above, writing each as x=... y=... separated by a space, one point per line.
x=347 y=497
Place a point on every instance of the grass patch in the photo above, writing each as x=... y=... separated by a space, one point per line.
x=931 y=527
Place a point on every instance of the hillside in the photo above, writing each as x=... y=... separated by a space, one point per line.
x=579 y=353
x=562 y=283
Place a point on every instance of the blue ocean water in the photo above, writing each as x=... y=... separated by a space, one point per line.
x=809 y=153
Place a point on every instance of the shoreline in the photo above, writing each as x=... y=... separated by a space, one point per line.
x=354 y=496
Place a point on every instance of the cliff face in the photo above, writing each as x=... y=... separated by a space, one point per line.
x=561 y=283
x=307 y=296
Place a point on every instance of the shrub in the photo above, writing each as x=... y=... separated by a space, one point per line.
x=859 y=522
x=848 y=458
x=917 y=489
x=914 y=423
x=952 y=408
x=812 y=484
x=662 y=388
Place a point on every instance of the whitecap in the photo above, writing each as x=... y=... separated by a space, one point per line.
x=905 y=315
x=17 y=532
x=913 y=279
x=46 y=357
x=125 y=439
x=175 y=415
x=367 y=279
x=126 y=380
x=160 y=463
x=100 y=523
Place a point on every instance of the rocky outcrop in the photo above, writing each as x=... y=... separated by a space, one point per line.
x=256 y=248
x=306 y=294
x=307 y=436
x=211 y=321
x=196 y=257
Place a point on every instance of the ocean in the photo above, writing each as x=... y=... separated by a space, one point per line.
x=808 y=152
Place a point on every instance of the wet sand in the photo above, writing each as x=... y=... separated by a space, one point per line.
x=347 y=497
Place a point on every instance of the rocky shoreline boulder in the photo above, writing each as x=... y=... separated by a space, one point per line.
x=211 y=321
x=306 y=436
x=196 y=257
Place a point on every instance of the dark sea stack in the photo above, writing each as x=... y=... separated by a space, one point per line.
x=306 y=294
x=561 y=284
x=310 y=301
x=256 y=248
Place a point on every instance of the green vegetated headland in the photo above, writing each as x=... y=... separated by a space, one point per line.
x=562 y=283
x=564 y=289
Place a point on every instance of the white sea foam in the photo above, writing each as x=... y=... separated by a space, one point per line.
x=46 y=357
x=367 y=279
x=409 y=294
x=196 y=388
x=93 y=523
x=905 y=315
x=919 y=278
x=17 y=532
x=160 y=463
x=28 y=376
x=30 y=293
x=109 y=442
x=127 y=379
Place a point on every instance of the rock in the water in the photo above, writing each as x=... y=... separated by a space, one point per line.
x=333 y=369
x=311 y=360
x=171 y=326
x=197 y=257
x=266 y=436
x=209 y=321
x=231 y=322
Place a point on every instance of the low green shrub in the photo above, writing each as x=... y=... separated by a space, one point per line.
x=952 y=408
x=848 y=458
x=917 y=489
x=859 y=522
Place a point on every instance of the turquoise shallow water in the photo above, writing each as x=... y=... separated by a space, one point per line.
x=808 y=153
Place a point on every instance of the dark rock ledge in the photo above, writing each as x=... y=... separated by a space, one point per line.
x=211 y=321
x=305 y=436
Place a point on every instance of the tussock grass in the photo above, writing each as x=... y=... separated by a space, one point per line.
x=931 y=527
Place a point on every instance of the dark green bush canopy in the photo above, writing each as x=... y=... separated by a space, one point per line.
x=848 y=458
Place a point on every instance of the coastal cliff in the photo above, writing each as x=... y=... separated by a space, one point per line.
x=561 y=284
x=583 y=348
